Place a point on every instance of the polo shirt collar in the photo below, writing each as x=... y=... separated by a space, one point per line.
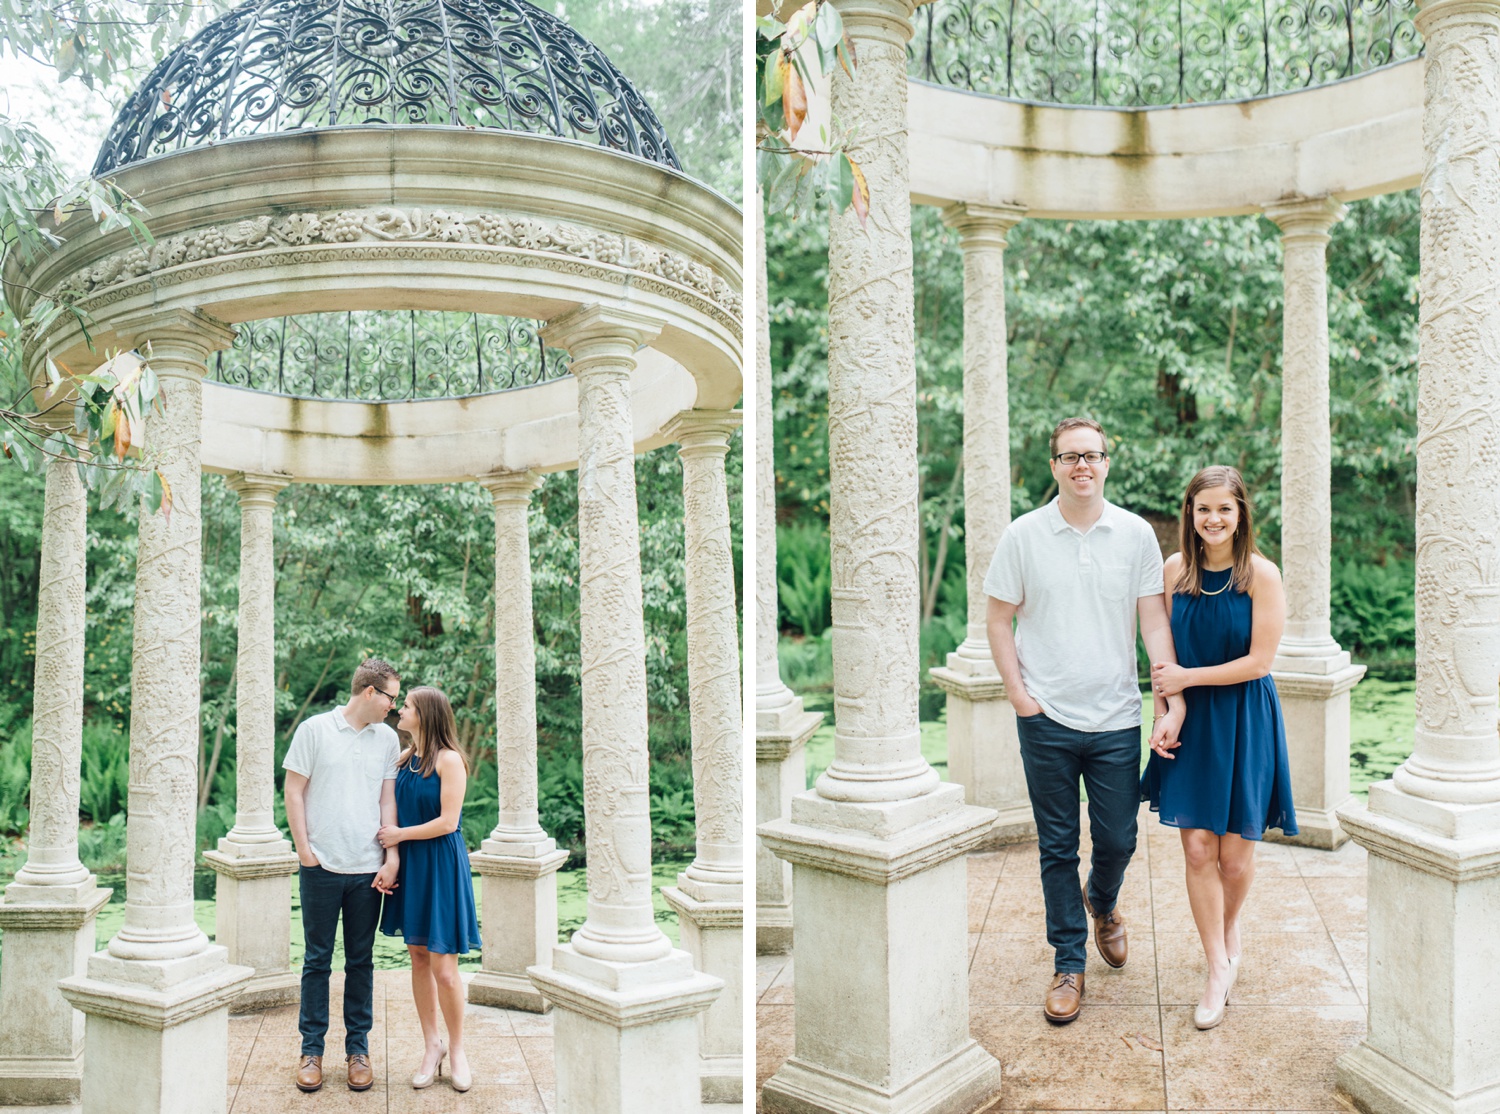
x=1055 y=519
x=343 y=723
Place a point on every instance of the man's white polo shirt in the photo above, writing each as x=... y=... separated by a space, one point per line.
x=345 y=769
x=1075 y=593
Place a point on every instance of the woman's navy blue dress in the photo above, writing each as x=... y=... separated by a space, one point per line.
x=1231 y=774
x=433 y=905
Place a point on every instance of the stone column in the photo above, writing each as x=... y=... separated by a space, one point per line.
x=255 y=862
x=709 y=897
x=984 y=752
x=626 y=1036
x=47 y=912
x=518 y=862
x=782 y=725
x=1433 y=832
x=1312 y=673
x=882 y=1019
x=157 y=997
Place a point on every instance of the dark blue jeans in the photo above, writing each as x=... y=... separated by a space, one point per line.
x=325 y=897
x=1109 y=762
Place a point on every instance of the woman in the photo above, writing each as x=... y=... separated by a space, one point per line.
x=1227 y=780
x=433 y=904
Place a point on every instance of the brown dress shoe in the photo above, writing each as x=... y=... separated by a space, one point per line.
x=1109 y=933
x=361 y=1075
x=1065 y=998
x=310 y=1073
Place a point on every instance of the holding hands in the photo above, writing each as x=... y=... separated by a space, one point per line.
x=1168 y=678
x=390 y=835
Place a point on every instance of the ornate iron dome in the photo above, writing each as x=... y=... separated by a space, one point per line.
x=1129 y=53
x=281 y=65
x=388 y=356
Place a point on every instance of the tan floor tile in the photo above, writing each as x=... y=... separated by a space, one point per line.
x=775 y=1037
x=274 y=1058
x=987 y=864
x=441 y=1098
x=781 y=992
x=538 y=1053
x=1354 y=949
x=767 y=967
x=1350 y=861
x=1095 y=1062
x=1018 y=902
x=280 y=1021
x=530 y=1024
x=1288 y=1065
x=1341 y=902
x=1287 y=968
x=492 y=1061
x=1275 y=860
x=273 y=1098
x=1013 y=969
x=974 y=939
x=1274 y=905
x=488 y=1022
x=981 y=893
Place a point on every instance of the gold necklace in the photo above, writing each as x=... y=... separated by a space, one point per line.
x=1216 y=591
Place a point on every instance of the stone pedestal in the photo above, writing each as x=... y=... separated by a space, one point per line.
x=1316 y=709
x=158 y=1031
x=882 y=928
x=253 y=922
x=519 y=896
x=626 y=1034
x=781 y=735
x=984 y=752
x=713 y=933
x=40 y=1033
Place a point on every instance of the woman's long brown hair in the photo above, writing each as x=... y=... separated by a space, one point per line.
x=1190 y=579
x=436 y=728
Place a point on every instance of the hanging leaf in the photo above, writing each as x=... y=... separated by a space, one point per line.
x=122 y=431
x=794 y=101
x=861 y=192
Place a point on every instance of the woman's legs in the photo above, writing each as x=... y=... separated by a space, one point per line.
x=424 y=992
x=450 y=996
x=1205 y=888
x=1237 y=871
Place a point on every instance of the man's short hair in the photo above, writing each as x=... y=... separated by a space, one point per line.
x=1076 y=423
x=374 y=671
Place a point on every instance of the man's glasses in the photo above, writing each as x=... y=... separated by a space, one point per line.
x=385 y=694
x=1074 y=458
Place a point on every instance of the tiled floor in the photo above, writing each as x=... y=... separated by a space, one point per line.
x=1298 y=1005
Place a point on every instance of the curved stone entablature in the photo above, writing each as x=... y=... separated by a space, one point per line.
x=409 y=218
x=1351 y=139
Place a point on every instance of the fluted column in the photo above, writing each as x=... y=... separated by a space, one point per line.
x=984 y=753
x=254 y=861
x=157 y=996
x=782 y=724
x=626 y=1036
x=1433 y=832
x=876 y=848
x=1312 y=673
x=518 y=862
x=709 y=897
x=48 y=910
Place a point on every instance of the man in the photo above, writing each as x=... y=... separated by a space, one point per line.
x=340 y=789
x=1074 y=575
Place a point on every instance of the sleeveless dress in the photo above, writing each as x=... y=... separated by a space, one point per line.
x=1231 y=774
x=433 y=905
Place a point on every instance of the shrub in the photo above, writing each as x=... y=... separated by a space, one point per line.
x=15 y=781
x=105 y=785
x=1374 y=607
x=804 y=578
x=807 y=663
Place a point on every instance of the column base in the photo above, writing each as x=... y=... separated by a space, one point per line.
x=518 y=902
x=1314 y=696
x=882 y=956
x=625 y=1035
x=253 y=919
x=41 y=1036
x=713 y=933
x=960 y=1084
x=984 y=750
x=1432 y=900
x=157 y=1031
x=780 y=774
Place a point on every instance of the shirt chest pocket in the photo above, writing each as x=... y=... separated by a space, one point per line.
x=1114 y=581
x=373 y=765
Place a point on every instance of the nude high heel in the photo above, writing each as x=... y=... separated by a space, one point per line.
x=460 y=1082
x=419 y=1081
x=1208 y=1019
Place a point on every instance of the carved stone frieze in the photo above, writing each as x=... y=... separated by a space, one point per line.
x=243 y=241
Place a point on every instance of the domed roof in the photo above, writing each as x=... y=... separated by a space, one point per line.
x=273 y=66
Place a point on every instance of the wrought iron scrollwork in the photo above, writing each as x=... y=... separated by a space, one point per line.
x=1130 y=53
x=388 y=356
x=281 y=65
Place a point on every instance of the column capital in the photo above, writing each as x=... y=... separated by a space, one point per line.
x=885 y=20
x=983 y=225
x=1433 y=12
x=703 y=429
x=1305 y=217
x=511 y=487
x=257 y=487
x=593 y=331
x=192 y=330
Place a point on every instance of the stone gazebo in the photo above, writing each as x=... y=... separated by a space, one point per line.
x=1309 y=123
x=449 y=244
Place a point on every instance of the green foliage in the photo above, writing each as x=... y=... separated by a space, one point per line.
x=15 y=780
x=102 y=846
x=105 y=782
x=1374 y=607
x=804 y=578
x=806 y=663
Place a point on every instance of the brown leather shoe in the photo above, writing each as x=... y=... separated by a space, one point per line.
x=361 y=1075
x=1064 y=998
x=310 y=1073
x=1109 y=933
